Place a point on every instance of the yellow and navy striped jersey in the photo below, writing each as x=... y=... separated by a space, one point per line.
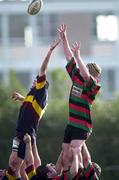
x=33 y=107
x=31 y=172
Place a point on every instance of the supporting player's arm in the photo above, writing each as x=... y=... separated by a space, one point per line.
x=86 y=155
x=75 y=162
x=63 y=35
x=44 y=65
x=29 y=160
x=59 y=165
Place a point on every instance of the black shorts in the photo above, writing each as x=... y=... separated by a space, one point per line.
x=74 y=133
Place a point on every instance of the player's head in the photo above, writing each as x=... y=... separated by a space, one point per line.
x=46 y=171
x=34 y=83
x=41 y=172
x=97 y=168
x=94 y=69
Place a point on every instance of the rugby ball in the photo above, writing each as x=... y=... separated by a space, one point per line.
x=34 y=7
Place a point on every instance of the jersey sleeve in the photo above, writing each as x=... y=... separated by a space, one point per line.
x=71 y=68
x=89 y=173
x=74 y=73
x=93 y=87
x=31 y=172
x=41 y=81
x=64 y=176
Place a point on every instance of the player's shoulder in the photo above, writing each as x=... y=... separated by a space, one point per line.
x=41 y=77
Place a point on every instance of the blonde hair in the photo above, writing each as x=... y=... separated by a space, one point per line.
x=94 y=69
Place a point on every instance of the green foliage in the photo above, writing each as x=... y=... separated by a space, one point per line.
x=14 y=84
x=59 y=84
x=52 y=129
x=8 y=117
x=103 y=143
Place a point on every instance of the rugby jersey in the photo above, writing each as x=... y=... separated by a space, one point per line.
x=9 y=175
x=64 y=176
x=31 y=172
x=81 y=97
x=89 y=173
x=33 y=108
x=79 y=175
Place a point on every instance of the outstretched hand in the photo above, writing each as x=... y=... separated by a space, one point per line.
x=17 y=96
x=27 y=138
x=76 y=49
x=44 y=65
x=51 y=170
x=54 y=44
x=62 y=31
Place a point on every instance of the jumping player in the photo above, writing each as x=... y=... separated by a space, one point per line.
x=84 y=88
x=32 y=108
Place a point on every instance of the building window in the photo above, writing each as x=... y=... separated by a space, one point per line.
x=108 y=82
x=47 y=25
x=28 y=36
x=111 y=80
x=106 y=27
x=17 y=25
x=13 y=1
x=0 y=30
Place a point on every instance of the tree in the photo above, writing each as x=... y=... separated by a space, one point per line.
x=103 y=143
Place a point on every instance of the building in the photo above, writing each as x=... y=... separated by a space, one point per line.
x=24 y=39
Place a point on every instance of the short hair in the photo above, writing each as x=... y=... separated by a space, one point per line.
x=97 y=168
x=94 y=69
x=41 y=172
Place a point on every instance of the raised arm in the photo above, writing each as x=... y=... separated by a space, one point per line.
x=44 y=65
x=29 y=160
x=59 y=165
x=63 y=35
x=83 y=69
x=86 y=155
